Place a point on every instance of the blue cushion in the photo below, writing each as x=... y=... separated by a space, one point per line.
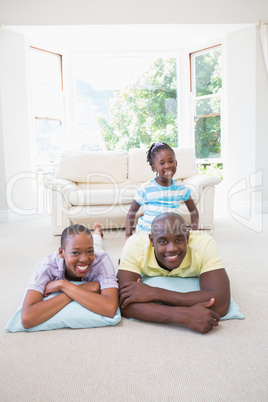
x=71 y=316
x=188 y=285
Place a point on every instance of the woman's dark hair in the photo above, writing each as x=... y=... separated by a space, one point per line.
x=154 y=149
x=72 y=231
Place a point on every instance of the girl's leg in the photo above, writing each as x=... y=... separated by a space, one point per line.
x=97 y=237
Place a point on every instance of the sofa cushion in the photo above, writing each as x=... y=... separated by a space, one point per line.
x=94 y=167
x=186 y=163
x=101 y=197
x=139 y=169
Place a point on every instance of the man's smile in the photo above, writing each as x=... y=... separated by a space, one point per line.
x=171 y=258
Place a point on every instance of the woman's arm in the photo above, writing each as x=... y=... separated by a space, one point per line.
x=193 y=213
x=92 y=286
x=105 y=303
x=134 y=207
x=35 y=310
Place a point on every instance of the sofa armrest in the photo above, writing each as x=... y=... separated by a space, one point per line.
x=199 y=182
x=61 y=185
x=64 y=186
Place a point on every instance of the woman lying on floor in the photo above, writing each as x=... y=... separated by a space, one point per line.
x=79 y=258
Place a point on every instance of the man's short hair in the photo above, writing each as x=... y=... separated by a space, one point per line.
x=172 y=223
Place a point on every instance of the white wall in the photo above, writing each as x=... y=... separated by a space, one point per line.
x=79 y=12
x=261 y=140
x=14 y=122
x=3 y=205
x=241 y=101
x=246 y=165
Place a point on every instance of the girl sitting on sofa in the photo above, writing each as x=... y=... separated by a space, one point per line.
x=162 y=194
x=79 y=258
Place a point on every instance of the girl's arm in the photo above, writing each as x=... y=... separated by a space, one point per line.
x=134 y=207
x=35 y=310
x=193 y=212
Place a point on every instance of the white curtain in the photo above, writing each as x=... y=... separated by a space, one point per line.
x=264 y=41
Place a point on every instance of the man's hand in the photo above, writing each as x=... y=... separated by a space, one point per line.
x=199 y=318
x=134 y=292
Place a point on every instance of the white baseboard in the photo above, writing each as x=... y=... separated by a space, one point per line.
x=257 y=207
x=4 y=216
x=261 y=207
x=9 y=216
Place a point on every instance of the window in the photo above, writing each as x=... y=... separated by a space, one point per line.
x=125 y=101
x=206 y=83
x=47 y=105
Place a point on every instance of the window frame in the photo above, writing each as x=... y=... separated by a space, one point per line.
x=185 y=83
x=204 y=161
x=48 y=169
x=57 y=54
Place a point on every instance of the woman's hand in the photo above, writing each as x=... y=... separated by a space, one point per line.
x=53 y=287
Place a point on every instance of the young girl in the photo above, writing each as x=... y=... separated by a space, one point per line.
x=76 y=260
x=162 y=194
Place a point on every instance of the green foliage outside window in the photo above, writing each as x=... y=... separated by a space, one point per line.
x=145 y=112
x=212 y=169
x=208 y=137
x=208 y=83
x=208 y=73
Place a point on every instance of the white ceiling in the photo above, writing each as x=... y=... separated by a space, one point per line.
x=126 y=37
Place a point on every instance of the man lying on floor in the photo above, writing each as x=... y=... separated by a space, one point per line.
x=172 y=251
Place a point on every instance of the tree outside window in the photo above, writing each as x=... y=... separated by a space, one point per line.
x=132 y=115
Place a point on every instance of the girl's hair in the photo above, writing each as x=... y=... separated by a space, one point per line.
x=73 y=230
x=154 y=149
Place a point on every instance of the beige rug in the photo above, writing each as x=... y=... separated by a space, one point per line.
x=137 y=361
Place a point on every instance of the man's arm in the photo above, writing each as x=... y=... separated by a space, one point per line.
x=213 y=284
x=138 y=302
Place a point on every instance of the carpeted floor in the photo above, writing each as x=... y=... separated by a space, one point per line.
x=137 y=361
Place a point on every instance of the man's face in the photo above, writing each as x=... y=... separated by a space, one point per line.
x=170 y=244
x=78 y=254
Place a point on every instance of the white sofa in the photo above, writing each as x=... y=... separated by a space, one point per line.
x=100 y=186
